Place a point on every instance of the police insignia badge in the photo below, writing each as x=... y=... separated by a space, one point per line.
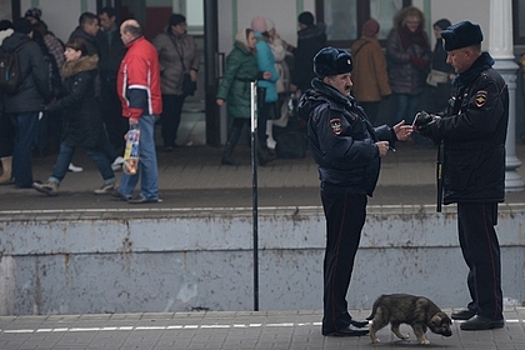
x=481 y=98
x=336 y=126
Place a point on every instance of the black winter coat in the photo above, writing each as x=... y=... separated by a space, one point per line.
x=474 y=132
x=84 y=126
x=110 y=55
x=342 y=140
x=309 y=41
x=35 y=89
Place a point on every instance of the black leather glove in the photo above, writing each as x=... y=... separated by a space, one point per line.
x=422 y=123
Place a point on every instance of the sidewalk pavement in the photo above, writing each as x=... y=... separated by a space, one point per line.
x=263 y=330
x=192 y=177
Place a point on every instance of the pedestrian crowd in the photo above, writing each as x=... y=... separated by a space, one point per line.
x=87 y=93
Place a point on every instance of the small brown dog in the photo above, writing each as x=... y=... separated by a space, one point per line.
x=418 y=312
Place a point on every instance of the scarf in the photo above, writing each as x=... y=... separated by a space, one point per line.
x=408 y=37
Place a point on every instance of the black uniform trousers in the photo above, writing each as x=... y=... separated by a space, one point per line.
x=481 y=250
x=345 y=216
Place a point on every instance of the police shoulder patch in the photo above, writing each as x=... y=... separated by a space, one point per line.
x=481 y=98
x=336 y=126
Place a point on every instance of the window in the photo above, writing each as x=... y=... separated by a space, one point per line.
x=9 y=9
x=344 y=18
x=518 y=12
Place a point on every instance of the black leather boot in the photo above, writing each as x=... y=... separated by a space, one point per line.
x=233 y=138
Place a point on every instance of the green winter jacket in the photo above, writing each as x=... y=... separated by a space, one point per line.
x=241 y=70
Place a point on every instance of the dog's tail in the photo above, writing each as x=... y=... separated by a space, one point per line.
x=374 y=309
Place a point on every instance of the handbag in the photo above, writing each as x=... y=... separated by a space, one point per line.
x=188 y=86
x=436 y=77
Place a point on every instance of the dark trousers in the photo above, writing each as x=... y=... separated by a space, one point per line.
x=170 y=117
x=54 y=131
x=25 y=130
x=345 y=216
x=116 y=124
x=235 y=133
x=42 y=138
x=480 y=248
x=6 y=136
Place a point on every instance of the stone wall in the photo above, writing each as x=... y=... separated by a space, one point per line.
x=191 y=260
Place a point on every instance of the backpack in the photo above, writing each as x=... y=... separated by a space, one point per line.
x=291 y=145
x=10 y=74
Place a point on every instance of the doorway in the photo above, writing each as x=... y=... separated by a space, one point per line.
x=200 y=122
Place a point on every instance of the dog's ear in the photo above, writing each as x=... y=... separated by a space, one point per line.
x=436 y=320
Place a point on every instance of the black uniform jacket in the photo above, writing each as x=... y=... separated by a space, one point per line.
x=342 y=140
x=474 y=132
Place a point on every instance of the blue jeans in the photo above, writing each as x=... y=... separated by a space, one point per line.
x=25 y=129
x=148 y=170
x=406 y=107
x=96 y=155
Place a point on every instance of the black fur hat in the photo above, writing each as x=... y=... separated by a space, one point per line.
x=461 y=34
x=331 y=61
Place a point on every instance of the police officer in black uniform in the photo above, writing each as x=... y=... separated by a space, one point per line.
x=347 y=149
x=473 y=133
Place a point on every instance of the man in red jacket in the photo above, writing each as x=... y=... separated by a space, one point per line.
x=138 y=84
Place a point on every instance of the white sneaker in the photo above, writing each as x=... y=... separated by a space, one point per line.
x=117 y=163
x=75 y=169
x=271 y=143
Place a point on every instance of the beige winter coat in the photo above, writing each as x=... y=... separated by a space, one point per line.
x=171 y=71
x=369 y=75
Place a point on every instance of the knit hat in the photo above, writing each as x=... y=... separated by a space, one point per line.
x=259 y=24
x=242 y=37
x=269 y=24
x=461 y=35
x=306 y=18
x=370 y=28
x=34 y=12
x=176 y=19
x=442 y=23
x=22 y=25
x=331 y=61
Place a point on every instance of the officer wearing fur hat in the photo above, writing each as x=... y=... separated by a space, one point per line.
x=347 y=149
x=473 y=132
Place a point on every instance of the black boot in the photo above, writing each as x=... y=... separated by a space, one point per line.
x=263 y=153
x=227 y=156
x=233 y=138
